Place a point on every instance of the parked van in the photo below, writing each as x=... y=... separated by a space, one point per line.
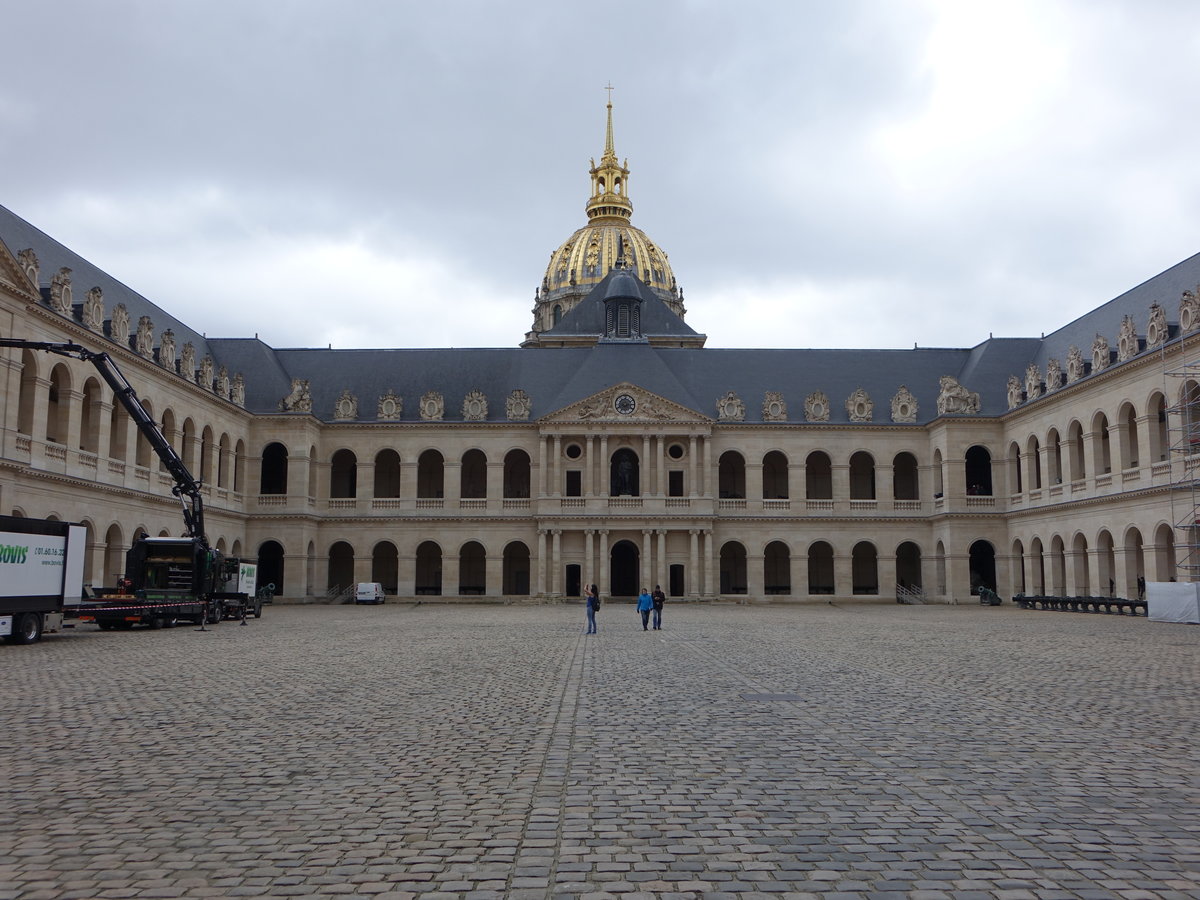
x=369 y=592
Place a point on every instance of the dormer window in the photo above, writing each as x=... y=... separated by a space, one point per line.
x=623 y=319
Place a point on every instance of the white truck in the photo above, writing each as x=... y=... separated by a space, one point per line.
x=41 y=572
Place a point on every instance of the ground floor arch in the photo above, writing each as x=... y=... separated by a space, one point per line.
x=624 y=569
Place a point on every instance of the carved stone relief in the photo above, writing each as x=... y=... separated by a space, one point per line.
x=730 y=408
x=1054 y=375
x=61 y=298
x=223 y=382
x=390 y=407
x=187 y=361
x=1074 y=364
x=1101 y=353
x=145 y=337
x=649 y=409
x=859 y=406
x=600 y=406
x=205 y=377
x=119 y=326
x=346 y=406
x=93 y=311
x=956 y=399
x=166 y=350
x=1189 y=310
x=237 y=393
x=432 y=407
x=1156 y=328
x=1014 y=392
x=774 y=408
x=518 y=406
x=475 y=407
x=300 y=399
x=904 y=405
x=29 y=263
x=1033 y=382
x=816 y=407
x=1127 y=341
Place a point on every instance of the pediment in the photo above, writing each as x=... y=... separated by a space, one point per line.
x=625 y=403
x=12 y=274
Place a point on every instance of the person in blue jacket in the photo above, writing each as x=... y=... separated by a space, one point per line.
x=592 y=597
x=645 y=604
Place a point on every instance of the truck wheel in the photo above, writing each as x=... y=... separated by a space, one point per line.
x=258 y=609
x=216 y=612
x=27 y=628
x=156 y=622
x=105 y=625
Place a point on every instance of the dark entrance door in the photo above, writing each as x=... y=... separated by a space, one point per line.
x=623 y=571
x=574 y=588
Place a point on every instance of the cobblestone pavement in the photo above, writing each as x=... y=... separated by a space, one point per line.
x=852 y=751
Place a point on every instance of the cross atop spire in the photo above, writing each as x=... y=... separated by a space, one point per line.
x=610 y=199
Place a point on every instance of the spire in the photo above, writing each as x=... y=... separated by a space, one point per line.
x=610 y=181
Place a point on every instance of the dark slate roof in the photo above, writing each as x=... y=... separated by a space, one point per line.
x=587 y=317
x=18 y=235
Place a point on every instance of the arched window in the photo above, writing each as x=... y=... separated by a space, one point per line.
x=777 y=569
x=864 y=567
x=188 y=451
x=29 y=391
x=274 y=478
x=558 y=313
x=516 y=569
x=862 y=476
x=58 y=414
x=1018 y=561
x=1103 y=444
x=343 y=474
x=206 y=455
x=1014 y=467
x=775 y=476
x=429 y=568
x=905 y=481
x=385 y=566
x=908 y=566
x=1159 y=440
x=341 y=566
x=239 y=467
x=473 y=475
x=1054 y=456
x=224 y=461
x=516 y=475
x=1075 y=452
x=979 y=472
x=1083 y=574
x=820 y=568
x=1037 y=568
x=733 y=568
x=1034 y=450
x=818 y=476
x=89 y=426
x=1129 y=437
x=938 y=482
x=387 y=474
x=430 y=480
x=982 y=562
x=472 y=569
x=731 y=476
x=270 y=566
x=118 y=433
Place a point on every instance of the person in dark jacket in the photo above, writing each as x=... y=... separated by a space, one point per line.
x=645 y=604
x=592 y=597
x=658 y=598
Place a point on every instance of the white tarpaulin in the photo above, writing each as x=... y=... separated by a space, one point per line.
x=1168 y=601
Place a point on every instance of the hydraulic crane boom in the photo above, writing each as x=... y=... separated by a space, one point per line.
x=186 y=488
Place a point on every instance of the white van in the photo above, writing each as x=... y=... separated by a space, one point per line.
x=369 y=592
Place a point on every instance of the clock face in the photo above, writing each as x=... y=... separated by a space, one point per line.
x=625 y=404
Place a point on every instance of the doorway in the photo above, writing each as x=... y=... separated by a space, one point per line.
x=624 y=569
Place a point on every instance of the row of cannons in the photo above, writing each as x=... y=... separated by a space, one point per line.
x=1119 y=605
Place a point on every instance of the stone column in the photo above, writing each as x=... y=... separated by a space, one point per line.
x=104 y=436
x=885 y=484
x=603 y=489
x=556 y=466
x=1145 y=455
x=958 y=577
x=754 y=481
x=660 y=465
x=647 y=471
x=588 y=573
x=589 y=466
x=711 y=586
x=647 y=558
x=450 y=571
x=556 y=585
x=691 y=584
x=843 y=574
x=41 y=411
x=362 y=567
x=707 y=467
x=495 y=484
x=364 y=482
x=756 y=578
x=493 y=580
x=603 y=548
x=295 y=576
x=888 y=577
x=541 y=478
x=662 y=578
x=840 y=475
x=73 y=401
x=452 y=482
x=693 y=483
x=540 y=564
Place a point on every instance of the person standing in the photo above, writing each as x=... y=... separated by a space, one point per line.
x=645 y=604
x=658 y=598
x=592 y=597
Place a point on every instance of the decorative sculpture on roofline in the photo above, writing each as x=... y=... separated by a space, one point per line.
x=1075 y=364
x=1033 y=382
x=93 y=311
x=1101 y=353
x=1015 y=395
x=1156 y=329
x=1127 y=340
x=774 y=408
x=300 y=398
x=1189 y=310
x=60 y=291
x=1054 y=375
x=346 y=406
x=904 y=405
x=954 y=399
x=390 y=406
x=518 y=407
x=859 y=406
x=475 y=407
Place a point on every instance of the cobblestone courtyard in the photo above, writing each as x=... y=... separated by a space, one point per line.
x=471 y=751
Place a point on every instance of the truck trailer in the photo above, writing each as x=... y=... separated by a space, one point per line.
x=41 y=575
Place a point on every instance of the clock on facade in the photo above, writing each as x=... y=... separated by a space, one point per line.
x=625 y=404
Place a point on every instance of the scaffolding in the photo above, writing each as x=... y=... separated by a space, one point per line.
x=1183 y=424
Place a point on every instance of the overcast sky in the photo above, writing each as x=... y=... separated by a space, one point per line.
x=397 y=174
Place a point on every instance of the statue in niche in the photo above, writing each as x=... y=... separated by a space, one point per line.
x=956 y=399
x=518 y=406
x=1033 y=382
x=774 y=408
x=166 y=350
x=816 y=407
x=145 y=338
x=1014 y=392
x=730 y=408
x=1156 y=328
x=93 y=311
x=61 y=298
x=118 y=327
x=205 y=377
x=390 y=407
x=432 y=406
x=1101 y=353
x=1054 y=375
x=624 y=474
x=904 y=405
x=346 y=406
x=1075 y=366
x=1127 y=341
x=30 y=266
x=475 y=407
x=223 y=382
x=1189 y=310
x=859 y=406
x=237 y=393
x=187 y=361
x=300 y=399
